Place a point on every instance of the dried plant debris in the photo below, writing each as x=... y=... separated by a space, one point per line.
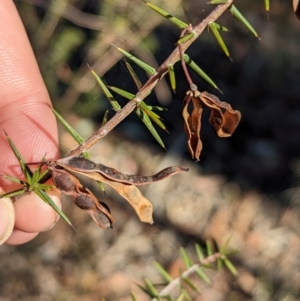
x=222 y=117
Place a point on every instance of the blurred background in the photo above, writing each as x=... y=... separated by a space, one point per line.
x=245 y=187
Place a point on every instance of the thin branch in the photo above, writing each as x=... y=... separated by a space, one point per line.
x=74 y=15
x=183 y=64
x=186 y=274
x=151 y=83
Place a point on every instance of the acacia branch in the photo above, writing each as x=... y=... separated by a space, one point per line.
x=176 y=283
x=151 y=83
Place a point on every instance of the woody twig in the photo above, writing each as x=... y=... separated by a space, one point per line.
x=151 y=83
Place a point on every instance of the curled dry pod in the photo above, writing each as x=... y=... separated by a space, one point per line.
x=85 y=166
x=222 y=117
x=192 y=123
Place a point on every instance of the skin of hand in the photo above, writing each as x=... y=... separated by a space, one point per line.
x=27 y=118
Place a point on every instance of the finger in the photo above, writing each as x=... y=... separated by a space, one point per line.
x=24 y=100
x=7 y=219
x=19 y=237
x=34 y=215
x=25 y=115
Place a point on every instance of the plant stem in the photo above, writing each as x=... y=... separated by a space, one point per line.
x=151 y=83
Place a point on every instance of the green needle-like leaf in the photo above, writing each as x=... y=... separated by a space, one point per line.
x=219 y=264
x=73 y=133
x=145 y=290
x=190 y=284
x=221 y=27
x=241 y=18
x=186 y=38
x=218 y=1
x=32 y=183
x=13 y=179
x=156 y=108
x=180 y=298
x=230 y=266
x=174 y=20
x=101 y=186
x=25 y=169
x=144 y=114
x=121 y=92
x=105 y=117
x=267 y=5
x=142 y=105
x=199 y=252
x=46 y=198
x=133 y=296
x=134 y=76
x=13 y=193
x=224 y=247
x=106 y=92
x=37 y=172
x=186 y=295
x=146 y=108
x=218 y=37
x=76 y=136
x=172 y=78
x=209 y=248
x=187 y=260
x=146 y=120
x=151 y=289
x=163 y=272
x=153 y=116
x=197 y=69
x=203 y=276
x=150 y=70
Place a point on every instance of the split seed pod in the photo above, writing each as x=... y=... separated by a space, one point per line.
x=82 y=197
x=192 y=123
x=83 y=165
x=124 y=184
x=222 y=117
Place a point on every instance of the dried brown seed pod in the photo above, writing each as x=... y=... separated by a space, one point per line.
x=85 y=202
x=101 y=219
x=64 y=181
x=81 y=164
x=98 y=211
x=82 y=197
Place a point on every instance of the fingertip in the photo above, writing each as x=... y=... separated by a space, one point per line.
x=7 y=219
x=34 y=215
x=19 y=237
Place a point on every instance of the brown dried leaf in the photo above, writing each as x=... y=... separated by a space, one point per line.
x=140 y=204
x=192 y=123
x=223 y=118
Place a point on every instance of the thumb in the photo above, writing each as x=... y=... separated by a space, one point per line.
x=7 y=218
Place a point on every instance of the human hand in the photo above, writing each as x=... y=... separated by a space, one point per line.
x=26 y=117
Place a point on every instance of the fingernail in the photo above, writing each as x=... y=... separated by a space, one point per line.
x=7 y=219
x=56 y=220
x=55 y=195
